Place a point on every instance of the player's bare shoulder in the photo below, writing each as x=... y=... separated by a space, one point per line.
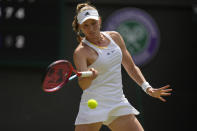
x=116 y=37
x=81 y=50
x=114 y=34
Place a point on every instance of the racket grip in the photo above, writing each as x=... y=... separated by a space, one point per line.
x=86 y=74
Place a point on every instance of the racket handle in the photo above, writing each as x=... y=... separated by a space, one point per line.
x=86 y=74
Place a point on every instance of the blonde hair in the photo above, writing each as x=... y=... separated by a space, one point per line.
x=80 y=7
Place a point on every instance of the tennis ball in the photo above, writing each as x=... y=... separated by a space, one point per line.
x=92 y=104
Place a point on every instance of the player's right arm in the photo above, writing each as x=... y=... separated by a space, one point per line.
x=80 y=57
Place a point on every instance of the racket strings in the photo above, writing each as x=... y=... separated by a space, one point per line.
x=57 y=74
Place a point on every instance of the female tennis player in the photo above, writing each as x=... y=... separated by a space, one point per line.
x=103 y=53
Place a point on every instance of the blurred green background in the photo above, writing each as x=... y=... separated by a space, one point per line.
x=34 y=33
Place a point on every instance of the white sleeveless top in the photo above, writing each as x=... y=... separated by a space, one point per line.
x=108 y=65
x=106 y=89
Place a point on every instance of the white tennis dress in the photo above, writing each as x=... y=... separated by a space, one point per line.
x=106 y=89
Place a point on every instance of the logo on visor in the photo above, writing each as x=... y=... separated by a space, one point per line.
x=87 y=13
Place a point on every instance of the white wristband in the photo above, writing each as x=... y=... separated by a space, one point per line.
x=145 y=85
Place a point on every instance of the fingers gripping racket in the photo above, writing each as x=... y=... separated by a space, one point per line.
x=59 y=73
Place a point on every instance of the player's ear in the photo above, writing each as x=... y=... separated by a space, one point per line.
x=79 y=26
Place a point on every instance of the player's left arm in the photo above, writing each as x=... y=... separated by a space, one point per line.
x=135 y=73
x=127 y=61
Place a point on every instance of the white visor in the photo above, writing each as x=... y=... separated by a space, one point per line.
x=87 y=14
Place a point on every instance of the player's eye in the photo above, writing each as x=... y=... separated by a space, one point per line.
x=86 y=25
x=94 y=23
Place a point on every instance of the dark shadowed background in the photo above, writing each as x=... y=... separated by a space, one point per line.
x=34 y=33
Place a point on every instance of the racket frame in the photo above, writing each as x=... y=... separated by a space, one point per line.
x=68 y=76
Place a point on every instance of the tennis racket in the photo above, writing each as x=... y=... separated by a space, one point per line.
x=59 y=73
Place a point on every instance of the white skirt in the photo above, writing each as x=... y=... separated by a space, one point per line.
x=107 y=110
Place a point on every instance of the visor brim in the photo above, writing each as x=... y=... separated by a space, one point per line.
x=89 y=17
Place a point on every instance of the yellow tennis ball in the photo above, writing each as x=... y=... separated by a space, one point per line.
x=92 y=104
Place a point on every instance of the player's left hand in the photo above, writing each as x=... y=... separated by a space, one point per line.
x=158 y=93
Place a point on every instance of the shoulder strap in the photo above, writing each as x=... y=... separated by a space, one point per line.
x=109 y=37
x=90 y=45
